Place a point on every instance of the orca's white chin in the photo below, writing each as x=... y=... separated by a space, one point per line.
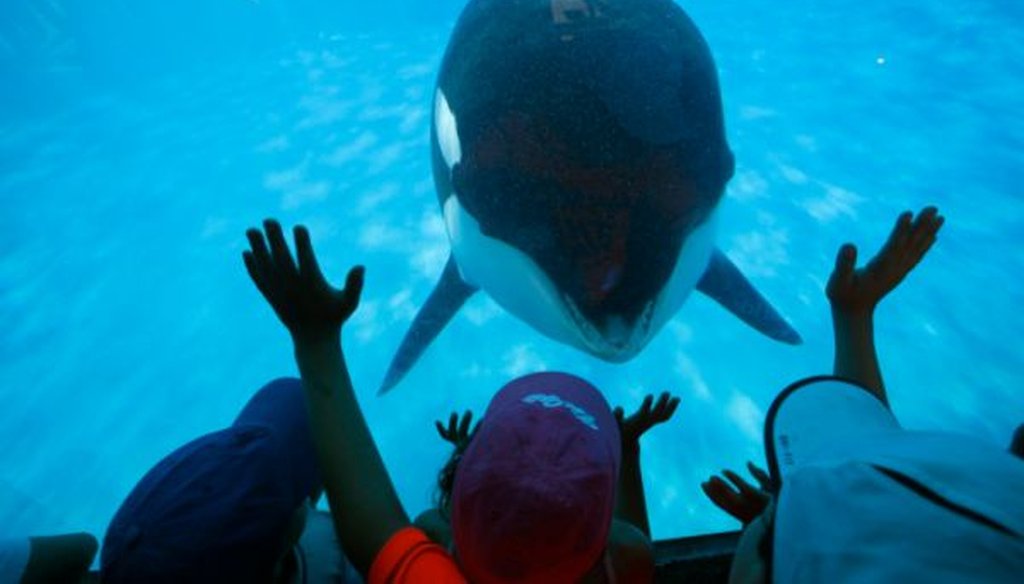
x=516 y=282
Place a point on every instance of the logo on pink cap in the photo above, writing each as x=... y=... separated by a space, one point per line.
x=553 y=401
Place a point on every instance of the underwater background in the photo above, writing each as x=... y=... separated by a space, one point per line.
x=138 y=141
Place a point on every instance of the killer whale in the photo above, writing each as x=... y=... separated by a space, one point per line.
x=579 y=155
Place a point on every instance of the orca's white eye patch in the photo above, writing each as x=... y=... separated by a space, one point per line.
x=447 y=129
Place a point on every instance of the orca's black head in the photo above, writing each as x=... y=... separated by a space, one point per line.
x=588 y=135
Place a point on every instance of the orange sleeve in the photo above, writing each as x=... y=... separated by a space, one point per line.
x=411 y=557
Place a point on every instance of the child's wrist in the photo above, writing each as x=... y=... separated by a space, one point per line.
x=846 y=313
x=320 y=345
x=631 y=447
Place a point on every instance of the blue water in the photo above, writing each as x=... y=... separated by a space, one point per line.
x=137 y=143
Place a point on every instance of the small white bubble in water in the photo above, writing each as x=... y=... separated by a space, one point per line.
x=880 y=60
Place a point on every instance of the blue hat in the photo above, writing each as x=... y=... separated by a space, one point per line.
x=217 y=509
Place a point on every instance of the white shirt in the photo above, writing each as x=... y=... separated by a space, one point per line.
x=319 y=558
x=847 y=521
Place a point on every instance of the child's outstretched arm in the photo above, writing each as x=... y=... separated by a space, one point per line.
x=854 y=293
x=366 y=509
x=435 y=521
x=630 y=503
x=59 y=558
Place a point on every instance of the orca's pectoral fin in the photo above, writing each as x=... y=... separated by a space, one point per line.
x=725 y=284
x=447 y=298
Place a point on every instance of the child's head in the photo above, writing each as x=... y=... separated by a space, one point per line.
x=534 y=491
x=225 y=507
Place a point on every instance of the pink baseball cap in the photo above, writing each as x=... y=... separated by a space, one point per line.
x=534 y=492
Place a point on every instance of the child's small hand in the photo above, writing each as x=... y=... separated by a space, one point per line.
x=858 y=291
x=309 y=307
x=457 y=432
x=645 y=418
x=1017 y=442
x=740 y=499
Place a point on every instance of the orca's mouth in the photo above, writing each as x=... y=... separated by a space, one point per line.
x=616 y=338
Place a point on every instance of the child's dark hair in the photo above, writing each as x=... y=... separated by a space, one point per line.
x=446 y=479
